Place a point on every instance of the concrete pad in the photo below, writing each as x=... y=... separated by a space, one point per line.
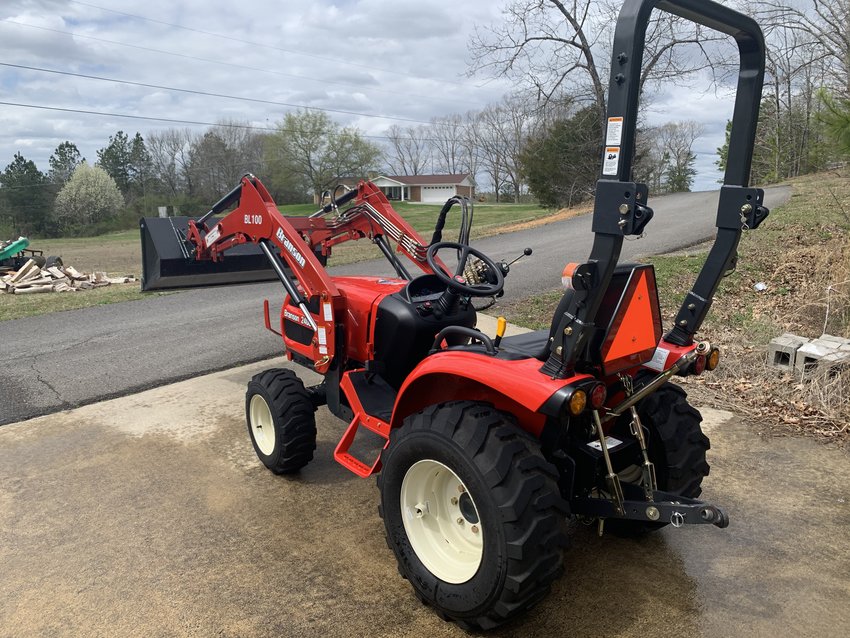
x=149 y=515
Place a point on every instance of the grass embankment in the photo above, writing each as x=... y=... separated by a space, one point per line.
x=120 y=253
x=802 y=254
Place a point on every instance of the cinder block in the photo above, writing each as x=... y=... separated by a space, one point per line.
x=808 y=356
x=834 y=362
x=782 y=351
x=838 y=341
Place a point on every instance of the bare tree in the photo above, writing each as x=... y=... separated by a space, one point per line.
x=501 y=132
x=825 y=21
x=552 y=46
x=677 y=141
x=449 y=141
x=410 y=149
x=169 y=151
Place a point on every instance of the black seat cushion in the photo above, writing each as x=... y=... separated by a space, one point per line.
x=529 y=344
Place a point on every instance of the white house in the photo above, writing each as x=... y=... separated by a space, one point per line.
x=434 y=189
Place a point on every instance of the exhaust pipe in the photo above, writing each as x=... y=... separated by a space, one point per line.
x=168 y=260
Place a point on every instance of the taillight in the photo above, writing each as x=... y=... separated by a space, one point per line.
x=699 y=365
x=713 y=359
x=578 y=401
x=598 y=396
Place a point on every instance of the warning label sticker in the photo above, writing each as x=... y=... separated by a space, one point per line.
x=611 y=161
x=659 y=360
x=610 y=442
x=212 y=236
x=614 y=136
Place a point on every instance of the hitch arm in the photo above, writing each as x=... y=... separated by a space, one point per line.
x=664 y=508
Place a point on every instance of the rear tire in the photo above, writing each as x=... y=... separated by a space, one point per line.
x=677 y=447
x=281 y=422
x=473 y=513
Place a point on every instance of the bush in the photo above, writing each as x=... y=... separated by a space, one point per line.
x=90 y=198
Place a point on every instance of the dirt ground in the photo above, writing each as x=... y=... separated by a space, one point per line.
x=150 y=515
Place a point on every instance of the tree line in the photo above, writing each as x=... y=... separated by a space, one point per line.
x=542 y=142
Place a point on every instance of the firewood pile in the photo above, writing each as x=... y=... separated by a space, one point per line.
x=32 y=279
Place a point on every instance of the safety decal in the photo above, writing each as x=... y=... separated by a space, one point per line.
x=611 y=161
x=212 y=236
x=658 y=361
x=614 y=137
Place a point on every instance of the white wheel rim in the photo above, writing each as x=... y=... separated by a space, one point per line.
x=441 y=521
x=262 y=425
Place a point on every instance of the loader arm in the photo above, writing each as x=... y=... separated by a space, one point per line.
x=303 y=244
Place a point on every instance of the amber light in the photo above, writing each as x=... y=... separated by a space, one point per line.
x=578 y=401
x=713 y=359
x=598 y=396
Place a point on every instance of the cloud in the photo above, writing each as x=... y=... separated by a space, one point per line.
x=405 y=58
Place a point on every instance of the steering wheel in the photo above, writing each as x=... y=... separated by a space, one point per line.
x=457 y=282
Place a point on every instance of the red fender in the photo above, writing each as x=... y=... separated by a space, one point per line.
x=517 y=387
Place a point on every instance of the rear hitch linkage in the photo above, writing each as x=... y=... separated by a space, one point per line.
x=664 y=508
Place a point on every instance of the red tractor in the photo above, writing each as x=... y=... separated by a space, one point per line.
x=489 y=444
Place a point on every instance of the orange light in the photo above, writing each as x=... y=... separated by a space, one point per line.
x=713 y=359
x=567 y=276
x=578 y=402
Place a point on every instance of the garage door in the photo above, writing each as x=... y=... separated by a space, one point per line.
x=437 y=194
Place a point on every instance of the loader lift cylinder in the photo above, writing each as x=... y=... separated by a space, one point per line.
x=291 y=290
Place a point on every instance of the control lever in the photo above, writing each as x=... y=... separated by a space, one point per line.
x=506 y=266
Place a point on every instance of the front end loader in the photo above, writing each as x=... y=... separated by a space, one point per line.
x=488 y=444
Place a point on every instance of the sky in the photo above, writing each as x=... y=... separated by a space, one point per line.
x=401 y=62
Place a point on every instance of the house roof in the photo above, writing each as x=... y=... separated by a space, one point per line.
x=428 y=180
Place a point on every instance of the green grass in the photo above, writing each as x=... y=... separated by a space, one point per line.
x=20 y=306
x=119 y=253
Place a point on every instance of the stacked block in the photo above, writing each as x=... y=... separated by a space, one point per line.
x=801 y=355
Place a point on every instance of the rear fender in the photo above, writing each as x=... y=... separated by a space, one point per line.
x=514 y=386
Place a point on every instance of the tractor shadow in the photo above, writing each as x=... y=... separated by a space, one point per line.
x=614 y=586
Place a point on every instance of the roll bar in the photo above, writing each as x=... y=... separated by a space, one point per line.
x=620 y=207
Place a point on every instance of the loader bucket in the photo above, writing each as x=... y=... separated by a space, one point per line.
x=168 y=263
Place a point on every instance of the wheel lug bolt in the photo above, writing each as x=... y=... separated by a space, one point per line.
x=474 y=529
x=461 y=489
x=454 y=500
x=460 y=521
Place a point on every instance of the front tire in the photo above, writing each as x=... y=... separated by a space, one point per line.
x=472 y=512
x=281 y=422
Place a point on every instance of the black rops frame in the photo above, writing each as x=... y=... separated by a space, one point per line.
x=620 y=207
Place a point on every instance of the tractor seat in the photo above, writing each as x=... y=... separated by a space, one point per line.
x=535 y=345
x=532 y=345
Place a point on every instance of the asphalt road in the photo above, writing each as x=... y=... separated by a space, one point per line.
x=67 y=359
x=150 y=515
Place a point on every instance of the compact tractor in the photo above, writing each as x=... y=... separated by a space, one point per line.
x=488 y=443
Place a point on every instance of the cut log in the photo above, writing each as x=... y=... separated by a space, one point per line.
x=57 y=272
x=74 y=273
x=32 y=290
x=29 y=270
